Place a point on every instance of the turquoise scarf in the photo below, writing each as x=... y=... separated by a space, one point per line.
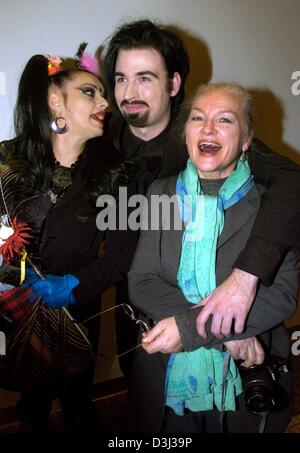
x=194 y=379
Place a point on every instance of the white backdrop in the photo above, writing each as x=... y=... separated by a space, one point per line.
x=255 y=42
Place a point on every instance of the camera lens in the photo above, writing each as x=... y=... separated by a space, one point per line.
x=259 y=390
x=259 y=400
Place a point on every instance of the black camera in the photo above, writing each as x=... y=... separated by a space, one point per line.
x=262 y=390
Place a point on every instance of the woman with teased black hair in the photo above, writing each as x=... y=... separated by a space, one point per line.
x=60 y=166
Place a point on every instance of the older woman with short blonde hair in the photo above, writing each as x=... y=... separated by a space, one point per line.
x=182 y=382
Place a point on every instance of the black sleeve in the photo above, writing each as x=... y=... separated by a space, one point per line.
x=272 y=306
x=111 y=266
x=277 y=224
x=148 y=290
x=108 y=269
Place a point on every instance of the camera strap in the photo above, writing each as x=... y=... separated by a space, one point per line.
x=263 y=422
x=264 y=415
x=224 y=376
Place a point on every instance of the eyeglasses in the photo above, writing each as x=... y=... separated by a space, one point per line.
x=130 y=313
x=79 y=324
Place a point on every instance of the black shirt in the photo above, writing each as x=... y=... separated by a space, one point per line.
x=148 y=155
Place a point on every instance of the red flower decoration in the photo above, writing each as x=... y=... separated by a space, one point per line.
x=16 y=241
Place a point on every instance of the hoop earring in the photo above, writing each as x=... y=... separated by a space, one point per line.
x=243 y=157
x=56 y=128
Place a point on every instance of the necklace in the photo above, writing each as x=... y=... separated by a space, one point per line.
x=61 y=180
x=62 y=176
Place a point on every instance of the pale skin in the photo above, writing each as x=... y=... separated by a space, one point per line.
x=165 y=338
x=216 y=121
x=82 y=105
x=142 y=89
x=230 y=302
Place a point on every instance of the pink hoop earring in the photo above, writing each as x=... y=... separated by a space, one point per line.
x=56 y=128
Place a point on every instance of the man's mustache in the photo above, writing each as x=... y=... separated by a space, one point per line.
x=137 y=102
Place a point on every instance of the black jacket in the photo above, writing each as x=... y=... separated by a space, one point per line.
x=71 y=243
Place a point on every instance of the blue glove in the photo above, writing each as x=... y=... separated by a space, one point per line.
x=31 y=277
x=56 y=291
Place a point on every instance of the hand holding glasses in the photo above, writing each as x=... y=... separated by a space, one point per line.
x=130 y=313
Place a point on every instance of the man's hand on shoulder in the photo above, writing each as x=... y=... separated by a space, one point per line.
x=230 y=302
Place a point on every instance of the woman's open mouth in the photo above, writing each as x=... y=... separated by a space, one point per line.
x=209 y=148
x=99 y=117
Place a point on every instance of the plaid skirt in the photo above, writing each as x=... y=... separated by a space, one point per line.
x=44 y=347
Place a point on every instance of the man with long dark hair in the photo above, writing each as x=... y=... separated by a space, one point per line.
x=146 y=66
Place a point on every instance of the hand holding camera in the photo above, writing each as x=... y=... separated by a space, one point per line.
x=260 y=376
x=261 y=383
x=249 y=351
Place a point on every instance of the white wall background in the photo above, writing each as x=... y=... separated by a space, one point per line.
x=255 y=42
